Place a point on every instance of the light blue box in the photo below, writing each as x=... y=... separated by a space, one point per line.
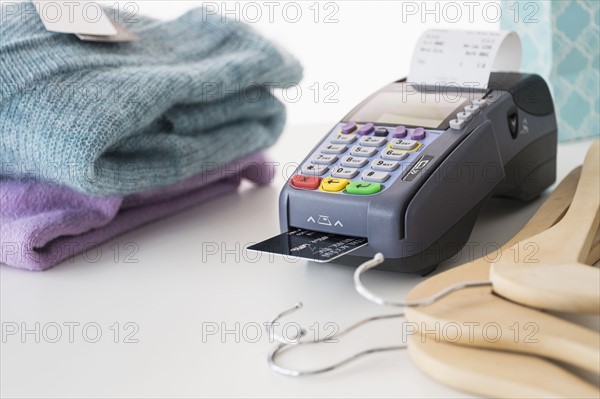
x=561 y=42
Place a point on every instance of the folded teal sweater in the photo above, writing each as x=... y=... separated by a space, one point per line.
x=107 y=118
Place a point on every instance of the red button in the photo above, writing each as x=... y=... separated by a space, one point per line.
x=305 y=182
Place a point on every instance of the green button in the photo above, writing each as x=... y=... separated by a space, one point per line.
x=363 y=188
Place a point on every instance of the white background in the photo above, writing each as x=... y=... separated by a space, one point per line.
x=354 y=46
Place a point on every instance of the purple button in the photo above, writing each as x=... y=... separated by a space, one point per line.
x=418 y=134
x=366 y=129
x=349 y=127
x=399 y=132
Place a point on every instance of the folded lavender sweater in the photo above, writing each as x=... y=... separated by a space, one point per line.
x=41 y=224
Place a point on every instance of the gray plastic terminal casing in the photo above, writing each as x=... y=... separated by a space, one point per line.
x=420 y=222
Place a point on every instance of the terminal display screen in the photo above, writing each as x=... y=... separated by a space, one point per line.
x=400 y=104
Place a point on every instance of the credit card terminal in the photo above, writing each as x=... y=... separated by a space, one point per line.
x=407 y=171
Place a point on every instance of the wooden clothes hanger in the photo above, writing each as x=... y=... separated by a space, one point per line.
x=555 y=276
x=447 y=303
x=555 y=338
x=492 y=372
x=495 y=373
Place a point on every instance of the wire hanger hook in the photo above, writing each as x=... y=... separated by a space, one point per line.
x=280 y=338
x=285 y=344
x=371 y=296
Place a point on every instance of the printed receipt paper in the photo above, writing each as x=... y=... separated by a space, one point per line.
x=463 y=58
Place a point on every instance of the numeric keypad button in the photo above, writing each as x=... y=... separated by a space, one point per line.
x=363 y=151
x=372 y=141
x=344 y=173
x=382 y=164
x=394 y=155
x=403 y=145
x=314 y=170
x=375 y=176
x=334 y=149
x=324 y=159
x=354 y=162
x=344 y=139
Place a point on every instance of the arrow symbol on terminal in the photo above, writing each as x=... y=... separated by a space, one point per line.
x=311 y=219
x=338 y=223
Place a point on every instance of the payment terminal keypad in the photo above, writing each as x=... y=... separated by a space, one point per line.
x=362 y=159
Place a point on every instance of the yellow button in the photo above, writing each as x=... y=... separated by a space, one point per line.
x=333 y=184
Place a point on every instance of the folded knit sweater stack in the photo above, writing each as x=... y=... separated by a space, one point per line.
x=99 y=138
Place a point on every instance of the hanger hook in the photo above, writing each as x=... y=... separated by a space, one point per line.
x=279 y=338
x=371 y=296
x=285 y=344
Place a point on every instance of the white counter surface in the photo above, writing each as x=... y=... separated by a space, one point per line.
x=172 y=299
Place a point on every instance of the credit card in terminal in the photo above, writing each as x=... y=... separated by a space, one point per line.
x=311 y=245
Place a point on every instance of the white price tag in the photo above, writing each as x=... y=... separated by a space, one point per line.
x=79 y=17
